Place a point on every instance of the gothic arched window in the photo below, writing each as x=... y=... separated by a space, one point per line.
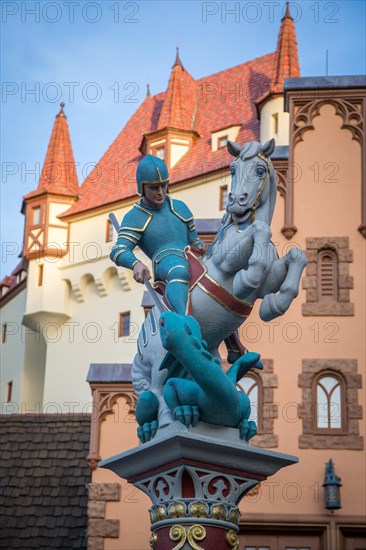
x=329 y=401
x=252 y=386
x=327 y=275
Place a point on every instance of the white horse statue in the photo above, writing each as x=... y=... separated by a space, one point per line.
x=241 y=266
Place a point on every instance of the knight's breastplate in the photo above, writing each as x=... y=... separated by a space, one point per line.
x=166 y=232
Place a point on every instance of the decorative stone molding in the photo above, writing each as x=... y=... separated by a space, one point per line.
x=310 y=282
x=124 y=280
x=105 y=397
x=349 y=438
x=78 y=295
x=267 y=409
x=100 y=287
x=349 y=110
x=100 y=528
x=305 y=104
x=285 y=189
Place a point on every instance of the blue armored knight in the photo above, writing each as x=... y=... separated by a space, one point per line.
x=162 y=227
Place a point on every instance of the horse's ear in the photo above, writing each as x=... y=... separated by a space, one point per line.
x=233 y=148
x=269 y=147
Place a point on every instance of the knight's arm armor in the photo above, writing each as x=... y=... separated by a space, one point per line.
x=193 y=237
x=130 y=233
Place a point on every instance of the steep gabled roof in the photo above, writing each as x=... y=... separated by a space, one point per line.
x=58 y=174
x=224 y=99
x=287 y=58
x=180 y=99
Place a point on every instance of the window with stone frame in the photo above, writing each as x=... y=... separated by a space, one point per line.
x=329 y=403
x=327 y=280
x=259 y=387
x=330 y=412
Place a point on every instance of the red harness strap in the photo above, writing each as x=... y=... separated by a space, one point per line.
x=200 y=278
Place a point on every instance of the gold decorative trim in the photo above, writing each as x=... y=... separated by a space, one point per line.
x=218 y=512
x=174 y=267
x=178 y=533
x=176 y=510
x=153 y=540
x=186 y=220
x=196 y=533
x=232 y=539
x=198 y=510
x=124 y=236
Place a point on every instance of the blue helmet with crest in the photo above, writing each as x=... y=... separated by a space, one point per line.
x=152 y=171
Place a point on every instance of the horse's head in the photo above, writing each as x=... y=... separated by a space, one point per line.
x=253 y=183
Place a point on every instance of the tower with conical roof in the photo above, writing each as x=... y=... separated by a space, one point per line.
x=274 y=120
x=174 y=135
x=45 y=233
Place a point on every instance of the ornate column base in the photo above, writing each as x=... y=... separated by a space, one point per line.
x=195 y=479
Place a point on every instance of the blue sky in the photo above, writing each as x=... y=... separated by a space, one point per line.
x=98 y=57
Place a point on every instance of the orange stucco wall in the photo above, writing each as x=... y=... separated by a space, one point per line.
x=322 y=207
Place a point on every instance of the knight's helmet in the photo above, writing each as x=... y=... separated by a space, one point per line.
x=151 y=170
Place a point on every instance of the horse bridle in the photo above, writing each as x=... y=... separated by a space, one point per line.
x=261 y=190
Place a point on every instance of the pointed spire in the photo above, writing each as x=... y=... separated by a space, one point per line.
x=180 y=98
x=177 y=59
x=287 y=59
x=287 y=12
x=61 y=112
x=58 y=174
x=148 y=94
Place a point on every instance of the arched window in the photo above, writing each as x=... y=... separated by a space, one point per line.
x=329 y=399
x=252 y=386
x=327 y=276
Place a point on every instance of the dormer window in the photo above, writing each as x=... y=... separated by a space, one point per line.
x=220 y=138
x=275 y=123
x=160 y=152
x=222 y=141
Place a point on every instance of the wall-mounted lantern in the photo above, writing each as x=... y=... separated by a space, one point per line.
x=332 y=487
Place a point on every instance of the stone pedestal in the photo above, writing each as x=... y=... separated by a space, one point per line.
x=195 y=479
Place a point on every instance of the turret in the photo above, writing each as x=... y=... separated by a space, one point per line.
x=174 y=135
x=274 y=120
x=45 y=233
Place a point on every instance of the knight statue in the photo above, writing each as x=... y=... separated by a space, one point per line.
x=162 y=227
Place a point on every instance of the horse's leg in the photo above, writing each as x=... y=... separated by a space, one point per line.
x=274 y=305
x=247 y=281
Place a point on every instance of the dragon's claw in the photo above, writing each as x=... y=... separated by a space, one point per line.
x=187 y=415
x=247 y=429
x=147 y=431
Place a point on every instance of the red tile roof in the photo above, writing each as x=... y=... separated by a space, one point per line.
x=287 y=59
x=12 y=280
x=59 y=173
x=180 y=99
x=224 y=99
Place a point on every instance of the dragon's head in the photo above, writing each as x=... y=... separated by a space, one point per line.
x=175 y=329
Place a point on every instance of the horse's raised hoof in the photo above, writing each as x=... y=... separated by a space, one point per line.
x=247 y=429
x=187 y=415
x=147 y=431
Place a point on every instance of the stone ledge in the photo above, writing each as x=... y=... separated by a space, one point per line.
x=319 y=309
x=351 y=442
